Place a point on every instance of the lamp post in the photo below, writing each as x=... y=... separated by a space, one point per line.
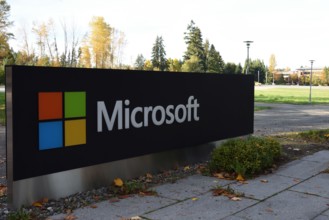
x=310 y=97
x=248 y=42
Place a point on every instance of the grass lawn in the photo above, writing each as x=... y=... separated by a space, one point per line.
x=259 y=108
x=292 y=94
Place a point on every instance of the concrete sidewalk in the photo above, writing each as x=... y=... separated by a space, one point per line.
x=297 y=190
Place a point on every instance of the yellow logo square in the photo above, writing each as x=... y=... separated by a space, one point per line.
x=75 y=132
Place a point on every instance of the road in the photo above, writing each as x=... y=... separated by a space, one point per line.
x=281 y=118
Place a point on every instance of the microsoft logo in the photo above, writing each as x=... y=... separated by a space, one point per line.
x=62 y=119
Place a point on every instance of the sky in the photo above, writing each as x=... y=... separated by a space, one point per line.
x=295 y=31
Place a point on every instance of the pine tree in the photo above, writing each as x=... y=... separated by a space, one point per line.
x=193 y=39
x=238 y=69
x=159 y=60
x=214 y=61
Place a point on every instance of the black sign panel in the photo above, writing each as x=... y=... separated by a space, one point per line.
x=66 y=118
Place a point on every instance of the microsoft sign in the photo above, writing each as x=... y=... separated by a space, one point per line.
x=61 y=119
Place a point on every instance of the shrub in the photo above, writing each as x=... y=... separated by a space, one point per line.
x=246 y=156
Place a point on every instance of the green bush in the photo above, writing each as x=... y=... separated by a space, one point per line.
x=246 y=156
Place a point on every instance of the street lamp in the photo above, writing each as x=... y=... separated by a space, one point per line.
x=310 y=97
x=248 y=42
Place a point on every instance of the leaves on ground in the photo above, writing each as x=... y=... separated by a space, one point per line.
x=236 y=198
x=148 y=193
x=40 y=203
x=37 y=204
x=219 y=175
x=118 y=182
x=194 y=199
x=114 y=200
x=186 y=168
x=326 y=171
x=264 y=181
x=239 y=178
x=70 y=217
x=3 y=190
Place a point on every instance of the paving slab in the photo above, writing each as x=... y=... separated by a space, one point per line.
x=189 y=187
x=302 y=169
x=318 y=185
x=264 y=186
x=206 y=206
x=124 y=208
x=321 y=157
x=322 y=217
x=232 y=217
x=287 y=205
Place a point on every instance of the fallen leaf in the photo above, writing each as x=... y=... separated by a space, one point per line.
x=147 y=193
x=45 y=200
x=186 y=168
x=218 y=192
x=135 y=218
x=37 y=204
x=243 y=182
x=296 y=180
x=239 y=178
x=264 y=181
x=236 y=198
x=3 y=190
x=269 y=210
x=219 y=175
x=118 y=182
x=149 y=176
x=93 y=206
x=114 y=200
x=123 y=196
x=70 y=217
x=194 y=199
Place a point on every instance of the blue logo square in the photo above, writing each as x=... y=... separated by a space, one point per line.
x=50 y=135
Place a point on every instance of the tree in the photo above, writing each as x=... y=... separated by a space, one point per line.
x=41 y=31
x=325 y=76
x=238 y=69
x=195 y=48
x=257 y=67
x=215 y=63
x=174 y=65
x=118 y=44
x=100 y=41
x=272 y=66
x=159 y=55
x=230 y=68
x=192 y=65
x=206 y=47
x=6 y=55
x=4 y=20
x=85 y=58
x=139 y=63
x=148 y=65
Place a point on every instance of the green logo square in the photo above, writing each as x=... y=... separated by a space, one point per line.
x=75 y=104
